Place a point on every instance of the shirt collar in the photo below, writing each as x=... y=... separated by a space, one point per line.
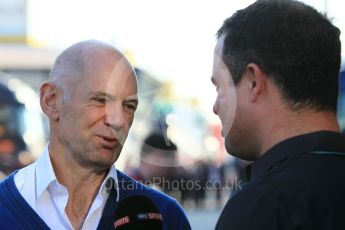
x=316 y=141
x=45 y=175
x=111 y=180
x=44 y=172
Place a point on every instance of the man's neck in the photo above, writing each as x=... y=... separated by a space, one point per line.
x=82 y=184
x=297 y=124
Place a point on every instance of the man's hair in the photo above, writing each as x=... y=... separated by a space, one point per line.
x=70 y=64
x=66 y=70
x=296 y=46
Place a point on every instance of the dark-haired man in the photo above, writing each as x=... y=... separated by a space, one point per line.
x=276 y=68
x=158 y=160
x=159 y=166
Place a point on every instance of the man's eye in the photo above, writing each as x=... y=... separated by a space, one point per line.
x=100 y=100
x=130 y=107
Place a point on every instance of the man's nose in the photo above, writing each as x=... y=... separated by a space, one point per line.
x=115 y=118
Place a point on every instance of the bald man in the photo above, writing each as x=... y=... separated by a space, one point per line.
x=90 y=100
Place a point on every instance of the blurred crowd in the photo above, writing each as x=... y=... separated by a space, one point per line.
x=201 y=185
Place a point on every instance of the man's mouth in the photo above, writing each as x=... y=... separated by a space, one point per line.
x=109 y=142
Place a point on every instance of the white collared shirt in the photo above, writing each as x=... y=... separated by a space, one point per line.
x=38 y=185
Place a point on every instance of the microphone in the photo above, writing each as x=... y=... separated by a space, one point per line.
x=137 y=212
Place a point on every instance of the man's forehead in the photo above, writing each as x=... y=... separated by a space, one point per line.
x=109 y=67
x=122 y=79
x=219 y=46
x=110 y=95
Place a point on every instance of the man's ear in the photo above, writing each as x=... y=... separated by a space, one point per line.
x=257 y=81
x=49 y=95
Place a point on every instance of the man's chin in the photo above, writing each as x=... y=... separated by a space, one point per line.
x=228 y=146
x=231 y=150
x=243 y=155
x=232 y=153
x=103 y=164
x=106 y=157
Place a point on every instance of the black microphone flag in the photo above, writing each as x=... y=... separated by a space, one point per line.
x=137 y=212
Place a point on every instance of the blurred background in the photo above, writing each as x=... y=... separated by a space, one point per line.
x=171 y=44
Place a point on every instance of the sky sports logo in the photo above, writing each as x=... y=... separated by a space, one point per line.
x=139 y=217
x=149 y=216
